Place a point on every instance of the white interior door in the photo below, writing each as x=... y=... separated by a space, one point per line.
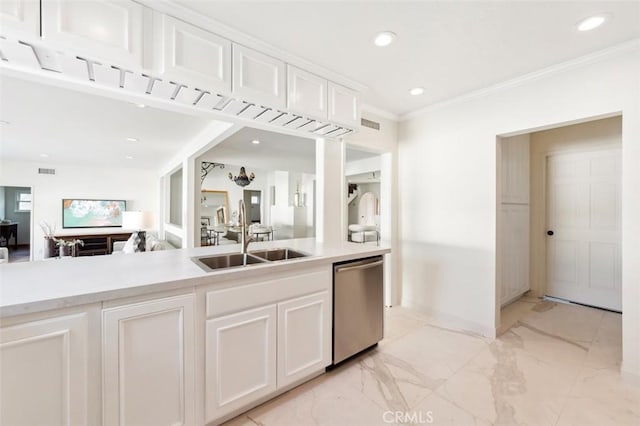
x=583 y=227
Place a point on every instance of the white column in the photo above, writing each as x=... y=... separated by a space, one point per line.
x=330 y=191
x=189 y=189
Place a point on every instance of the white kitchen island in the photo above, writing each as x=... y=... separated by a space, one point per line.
x=152 y=339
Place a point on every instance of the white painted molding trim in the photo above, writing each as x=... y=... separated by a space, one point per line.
x=591 y=58
x=379 y=112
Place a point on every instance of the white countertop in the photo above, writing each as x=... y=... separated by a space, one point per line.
x=57 y=283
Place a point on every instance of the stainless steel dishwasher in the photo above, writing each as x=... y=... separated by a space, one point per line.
x=358 y=310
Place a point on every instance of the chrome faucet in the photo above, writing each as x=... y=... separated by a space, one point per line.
x=245 y=239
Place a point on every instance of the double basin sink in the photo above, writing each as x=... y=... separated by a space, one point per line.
x=231 y=260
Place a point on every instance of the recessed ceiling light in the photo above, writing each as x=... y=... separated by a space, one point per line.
x=255 y=142
x=128 y=157
x=416 y=91
x=592 y=22
x=140 y=105
x=43 y=155
x=384 y=38
x=132 y=140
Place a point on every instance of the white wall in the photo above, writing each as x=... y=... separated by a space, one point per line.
x=447 y=180
x=218 y=180
x=139 y=187
x=584 y=136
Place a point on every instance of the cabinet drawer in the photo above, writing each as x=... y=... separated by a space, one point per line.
x=234 y=299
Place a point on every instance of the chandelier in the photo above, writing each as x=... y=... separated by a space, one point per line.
x=242 y=179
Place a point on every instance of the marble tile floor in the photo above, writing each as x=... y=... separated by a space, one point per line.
x=557 y=364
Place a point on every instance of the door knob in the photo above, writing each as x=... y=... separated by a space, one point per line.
x=549 y=232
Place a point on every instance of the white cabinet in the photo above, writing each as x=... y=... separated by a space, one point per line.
x=304 y=328
x=306 y=93
x=240 y=360
x=514 y=228
x=148 y=363
x=189 y=55
x=515 y=169
x=20 y=18
x=45 y=371
x=344 y=105
x=112 y=30
x=258 y=78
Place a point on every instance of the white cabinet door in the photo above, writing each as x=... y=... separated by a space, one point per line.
x=44 y=370
x=111 y=30
x=304 y=337
x=240 y=360
x=148 y=363
x=258 y=78
x=189 y=55
x=515 y=169
x=344 y=105
x=306 y=93
x=20 y=18
x=515 y=251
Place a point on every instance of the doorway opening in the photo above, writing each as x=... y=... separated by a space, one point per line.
x=559 y=218
x=253 y=203
x=363 y=179
x=15 y=223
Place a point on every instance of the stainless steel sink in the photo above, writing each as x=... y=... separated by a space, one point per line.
x=278 y=254
x=221 y=261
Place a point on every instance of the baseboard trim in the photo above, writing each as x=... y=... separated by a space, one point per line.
x=452 y=321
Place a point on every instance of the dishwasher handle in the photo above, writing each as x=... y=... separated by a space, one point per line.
x=360 y=267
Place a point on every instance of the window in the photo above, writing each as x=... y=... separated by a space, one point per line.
x=23 y=202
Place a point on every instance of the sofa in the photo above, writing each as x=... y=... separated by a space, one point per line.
x=152 y=244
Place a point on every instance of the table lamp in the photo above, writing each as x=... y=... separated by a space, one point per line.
x=138 y=221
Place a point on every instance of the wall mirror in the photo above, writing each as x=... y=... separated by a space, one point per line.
x=214 y=207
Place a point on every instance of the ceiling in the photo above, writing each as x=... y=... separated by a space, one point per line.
x=447 y=47
x=274 y=152
x=79 y=128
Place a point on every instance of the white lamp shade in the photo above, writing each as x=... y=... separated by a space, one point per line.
x=137 y=220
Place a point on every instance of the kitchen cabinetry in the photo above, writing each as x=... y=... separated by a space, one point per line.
x=263 y=337
x=20 y=18
x=111 y=30
x=515 y=170
x=513 y=218
x=306 y=93
x=258 y=78
x=515 y=251
x=344 y=105
x=148 y=362
x=189 y=55
x=47 y=366
x=304 y=328
x=240 y=360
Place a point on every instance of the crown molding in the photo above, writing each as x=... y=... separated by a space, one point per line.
x=591 y=58
x=379 y=112
x=209 y=24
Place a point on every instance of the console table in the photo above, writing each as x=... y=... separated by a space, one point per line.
x=10 y=229
x=94 y=244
